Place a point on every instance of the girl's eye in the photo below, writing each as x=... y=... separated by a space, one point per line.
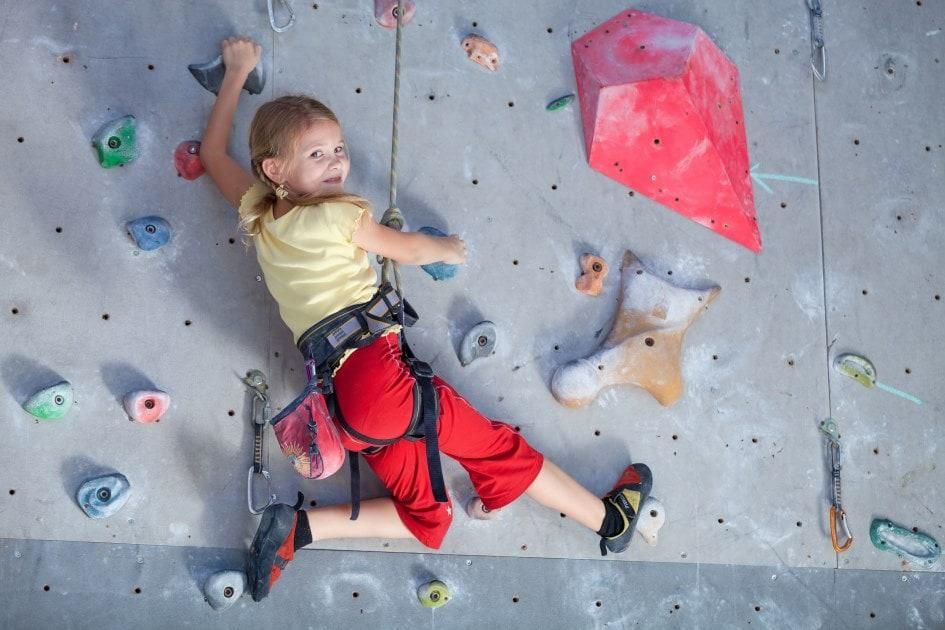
x=340 y=149
x=317 y=154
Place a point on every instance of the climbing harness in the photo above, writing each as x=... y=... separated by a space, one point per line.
x=326 y=342
x=256 y=381
x=272 y=16
x=818 y=48
x=830 y=430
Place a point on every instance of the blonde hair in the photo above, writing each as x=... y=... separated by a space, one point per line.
x=274 y=133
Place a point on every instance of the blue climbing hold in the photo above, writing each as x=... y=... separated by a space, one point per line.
x=103 y=496
x=150 y=233
x=438 y=270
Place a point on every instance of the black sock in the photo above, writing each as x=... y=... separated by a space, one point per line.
x=613 y=521
x=303 y=533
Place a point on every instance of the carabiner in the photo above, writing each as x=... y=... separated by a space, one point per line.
x=848 y=537
x=272 y=17
x=249 y=491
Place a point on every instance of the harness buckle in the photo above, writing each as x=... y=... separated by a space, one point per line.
x=420 y=369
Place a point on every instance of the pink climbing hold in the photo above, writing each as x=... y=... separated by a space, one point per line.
x=385 y=12
x=482 y=51
x=662 y=112
x=187 y=160
x=146 y=406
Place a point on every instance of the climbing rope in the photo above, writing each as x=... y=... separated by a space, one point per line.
x=393 y=218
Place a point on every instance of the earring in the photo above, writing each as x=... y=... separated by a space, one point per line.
x=281 y=192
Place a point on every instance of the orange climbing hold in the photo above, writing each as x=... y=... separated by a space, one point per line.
x=594 y=270
x=662 y=112
x=482 y=51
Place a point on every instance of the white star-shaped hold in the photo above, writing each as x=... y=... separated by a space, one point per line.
x=644 y=346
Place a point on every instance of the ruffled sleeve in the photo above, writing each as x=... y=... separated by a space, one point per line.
x=347 y=219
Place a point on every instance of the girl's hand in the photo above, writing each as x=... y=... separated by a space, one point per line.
x=455 y=250
x=240 y=54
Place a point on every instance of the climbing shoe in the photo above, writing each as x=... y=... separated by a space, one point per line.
x=628 y=495
x=272 y=549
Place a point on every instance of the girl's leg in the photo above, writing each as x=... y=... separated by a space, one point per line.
x=378 y=519
x=557 y=490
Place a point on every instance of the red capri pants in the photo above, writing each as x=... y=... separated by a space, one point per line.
x=374 y=389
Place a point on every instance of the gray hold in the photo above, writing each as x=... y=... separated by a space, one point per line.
x=210 y=76
x=223 y=588
x=478 y=342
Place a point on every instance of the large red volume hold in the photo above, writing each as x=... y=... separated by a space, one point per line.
x=662 y=113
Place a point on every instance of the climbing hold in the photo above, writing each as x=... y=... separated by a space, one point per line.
x=187 y=160
x=644 y=346
x=652 y=516
x=560 y=103
x=478 y=342
x=861 y=370
x=103 y=496
x=210 y=76
x=51 y=403
x=385 y=12
x=146 y=406
x=594 y=269
x=482 y=51
x=115 y=142
x=149 y=233
x=475 y=509
x=905 y=543
x=438 y=270
x=662 y=113
x=223 y=588
x=433 y=594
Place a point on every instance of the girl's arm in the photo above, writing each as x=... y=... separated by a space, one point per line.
x=408 y=248
x=240 y=56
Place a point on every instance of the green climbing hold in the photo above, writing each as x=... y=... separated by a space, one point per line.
x=52 y=403
x=115 y=142
x=560 y=103
x=908 y=544
x=433 y=594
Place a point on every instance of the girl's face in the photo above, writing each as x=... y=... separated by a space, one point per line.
x=321 y=163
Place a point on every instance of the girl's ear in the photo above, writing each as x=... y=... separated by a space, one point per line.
x=273 y=168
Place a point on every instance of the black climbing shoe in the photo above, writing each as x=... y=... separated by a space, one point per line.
x=628 y=495
x=272 y=549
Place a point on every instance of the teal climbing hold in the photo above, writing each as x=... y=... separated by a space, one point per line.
x=116 y=143
x=150 y=233
x=560 y=103
x=908 y=544
x=438 y=270
x=51 y=403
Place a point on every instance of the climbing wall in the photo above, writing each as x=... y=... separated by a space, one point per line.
x=849 y=265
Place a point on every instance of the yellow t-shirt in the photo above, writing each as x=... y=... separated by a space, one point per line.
x=310 y=264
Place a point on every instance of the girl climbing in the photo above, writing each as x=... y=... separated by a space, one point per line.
x=312 y=241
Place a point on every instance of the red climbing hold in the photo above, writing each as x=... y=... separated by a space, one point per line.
x=146 y=406
x=662 y=112
x=385 y=12
x=187 y=160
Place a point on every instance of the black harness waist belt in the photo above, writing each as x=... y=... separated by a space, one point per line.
x=355 y=327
